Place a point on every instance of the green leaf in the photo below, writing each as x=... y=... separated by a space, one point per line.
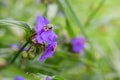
x=20 y=24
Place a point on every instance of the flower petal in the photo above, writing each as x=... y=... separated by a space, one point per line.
x=46 y=21
x=40 y=23
x=49 y=36
x=77 y=44
x=49 y=50
x=39 y=39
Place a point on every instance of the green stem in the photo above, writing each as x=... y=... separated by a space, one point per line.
x=75 y=18
x=91 y=16
x=17 y=54
x=68 y=26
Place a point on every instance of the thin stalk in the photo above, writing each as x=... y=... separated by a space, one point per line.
x=68 y=26
x=91 y=16
x=75 y=18
x=17 y=54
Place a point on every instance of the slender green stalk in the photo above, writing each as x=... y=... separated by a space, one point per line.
x=91 y=16
x=17 y=54
x=68 y=26
x=75 y=18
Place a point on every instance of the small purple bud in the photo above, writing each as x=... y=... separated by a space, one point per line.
x=47 y=78
x=78 y=44
x=14 y=47
x=18 y=78
x=26 y=49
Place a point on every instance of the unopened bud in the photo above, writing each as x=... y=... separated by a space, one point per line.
x=24 y=55
x=31 y=56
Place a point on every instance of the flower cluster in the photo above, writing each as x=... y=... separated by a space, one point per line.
x=45 y=35
x=77 y=44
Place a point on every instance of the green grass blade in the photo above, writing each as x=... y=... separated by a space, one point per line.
x=91 y=16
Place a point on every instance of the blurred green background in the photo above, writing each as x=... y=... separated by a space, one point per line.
x=98 y=21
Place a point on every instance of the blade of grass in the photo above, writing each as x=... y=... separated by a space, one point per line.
x=69 y=29
x=92 y=15
x=68 y=26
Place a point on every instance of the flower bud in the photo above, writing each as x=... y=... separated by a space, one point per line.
x=31 y=56
x=24 y=55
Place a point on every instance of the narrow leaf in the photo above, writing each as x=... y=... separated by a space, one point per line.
x=20 y=24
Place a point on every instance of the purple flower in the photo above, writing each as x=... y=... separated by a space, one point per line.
x=49 y=50
x=18 y=78
x=47 y=78
x=77 y=44
x=43 y=33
